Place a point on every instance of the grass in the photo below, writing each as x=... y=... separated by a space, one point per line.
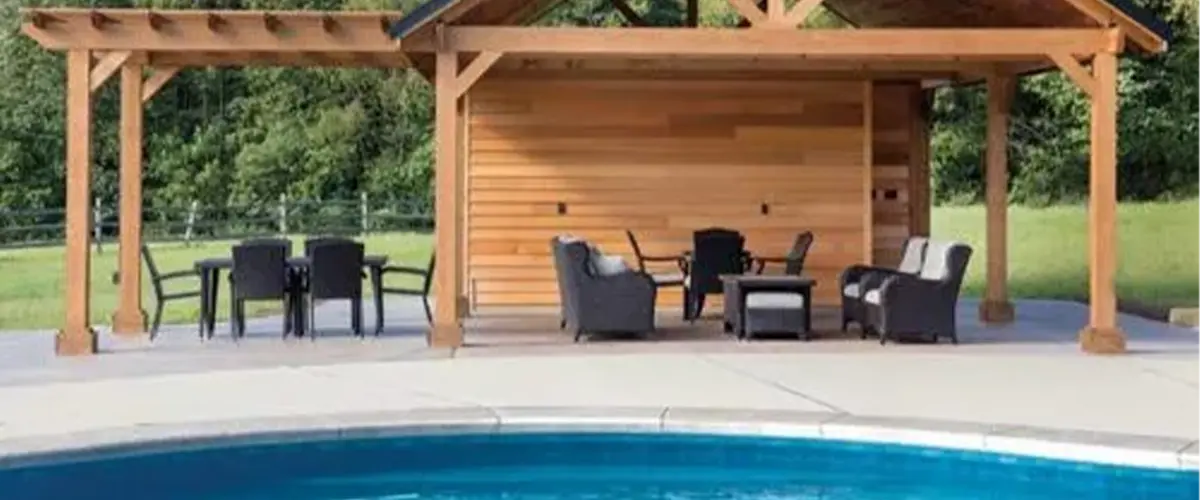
x=1047 y=259
x=1157 y=251
x=31 y=287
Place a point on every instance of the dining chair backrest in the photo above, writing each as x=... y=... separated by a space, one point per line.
x=429 y=273
x=283 y=242
x=153 y=268
x=335 y=271
x=637 y=250
x=715 y=251
x=259 y=270
x=795 y=258
x=321 y=240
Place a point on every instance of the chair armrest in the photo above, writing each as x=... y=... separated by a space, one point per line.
x=906 y=291
x=403 y=270
x=178 y=274
x=855 y=273
x=763 y=261
x=611 y=299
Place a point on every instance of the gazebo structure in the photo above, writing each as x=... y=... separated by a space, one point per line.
x=766 y=127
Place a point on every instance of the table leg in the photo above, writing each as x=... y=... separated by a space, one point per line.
x=214 y=282
x=377 y=291
x=204 y=293
x=741 y=308
x=807 y=293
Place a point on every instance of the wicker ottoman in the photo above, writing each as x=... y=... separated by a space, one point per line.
x=775 y=312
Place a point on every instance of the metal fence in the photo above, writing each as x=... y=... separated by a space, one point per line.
x=197 y=222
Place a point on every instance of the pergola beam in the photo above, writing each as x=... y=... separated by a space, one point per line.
x=812 y=42
x=160 y=76
x=1076 y=72
x=107 y=67
x=201 y=31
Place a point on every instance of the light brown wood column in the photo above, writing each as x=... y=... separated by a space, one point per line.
x=1102 y=335
x=447 y=329
x=995 y=306
x=461 y=165
x=76 y=336
x=130 y=318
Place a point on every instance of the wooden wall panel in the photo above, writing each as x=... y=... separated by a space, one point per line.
x=898 y=168
x=662 y=159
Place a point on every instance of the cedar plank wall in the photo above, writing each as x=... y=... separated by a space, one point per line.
x=662 y=158
x=900 y=166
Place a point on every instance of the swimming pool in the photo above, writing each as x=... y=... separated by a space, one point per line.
x=594 y=466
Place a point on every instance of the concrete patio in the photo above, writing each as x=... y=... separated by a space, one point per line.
x=1028 y=379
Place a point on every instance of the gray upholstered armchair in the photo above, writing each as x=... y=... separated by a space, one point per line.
x=923 y=303
x=857 y=280
x=599 y=294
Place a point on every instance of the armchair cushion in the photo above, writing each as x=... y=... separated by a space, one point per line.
x=937 y=264
x=872 y=297
x=852 y=290
x=914 y=254
x=607 y=265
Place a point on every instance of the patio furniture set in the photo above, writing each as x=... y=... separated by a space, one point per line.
x=601 y=294
x=331 y=268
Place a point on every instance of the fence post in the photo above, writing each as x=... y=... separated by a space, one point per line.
x=363 y=211
x=191 y=223
x=97 y=224
x=283 y=227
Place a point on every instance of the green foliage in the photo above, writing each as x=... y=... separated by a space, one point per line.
x=1049 y=136
x=244 y=136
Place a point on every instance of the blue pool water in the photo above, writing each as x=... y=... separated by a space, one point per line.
x=582 y=466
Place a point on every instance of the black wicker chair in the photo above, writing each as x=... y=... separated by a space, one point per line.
x=793 y=263
x=715 y=251
x=923 y=303
x=595 y=303
x=661 y=279
x=426 y=278
x=334 y=272
x=161 y=295
x=260 y=272
x=855 y=281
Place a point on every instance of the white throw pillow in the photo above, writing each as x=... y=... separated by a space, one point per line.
x=608 y=265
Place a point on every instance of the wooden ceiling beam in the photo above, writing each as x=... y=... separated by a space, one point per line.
x=1076 y=72
x=210 y=31
x=715 y=42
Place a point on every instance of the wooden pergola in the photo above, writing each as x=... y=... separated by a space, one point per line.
x=455 y=42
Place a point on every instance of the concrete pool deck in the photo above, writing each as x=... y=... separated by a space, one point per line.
x=1001 y=390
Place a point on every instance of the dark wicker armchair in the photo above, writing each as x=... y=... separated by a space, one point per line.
x=924 y=303
x=593 y=302
x=855 y=281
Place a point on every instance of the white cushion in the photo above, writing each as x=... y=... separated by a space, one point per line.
x=872 y=297
x=852 y=290
x=774 y=300
x=914 y=251
x=608 y=265
x=937 y=265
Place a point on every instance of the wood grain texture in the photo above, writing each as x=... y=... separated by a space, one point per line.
x=898 y=166
x=662 y=159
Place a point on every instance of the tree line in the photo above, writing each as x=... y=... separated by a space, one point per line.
x=237 y=137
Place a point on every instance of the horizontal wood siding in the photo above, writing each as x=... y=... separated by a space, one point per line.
x=893 y=166
x=662 y=159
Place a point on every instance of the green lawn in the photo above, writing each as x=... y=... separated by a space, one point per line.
x=1048 y=251
x=1047 y=255
x=31 y=285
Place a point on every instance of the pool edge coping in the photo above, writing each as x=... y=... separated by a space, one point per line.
x=1153 y=452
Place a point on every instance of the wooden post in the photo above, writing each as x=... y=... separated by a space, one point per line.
x=1102 y=334
x=868 y=160
x=446 y=331
x=130 y=318
x=995 y=306
x=461 y=165
x=76 y=336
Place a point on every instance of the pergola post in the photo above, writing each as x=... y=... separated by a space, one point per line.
x=130 y=318
x=995 y=307
x=1102 y=334
x=447 y=329
x=77 y=336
